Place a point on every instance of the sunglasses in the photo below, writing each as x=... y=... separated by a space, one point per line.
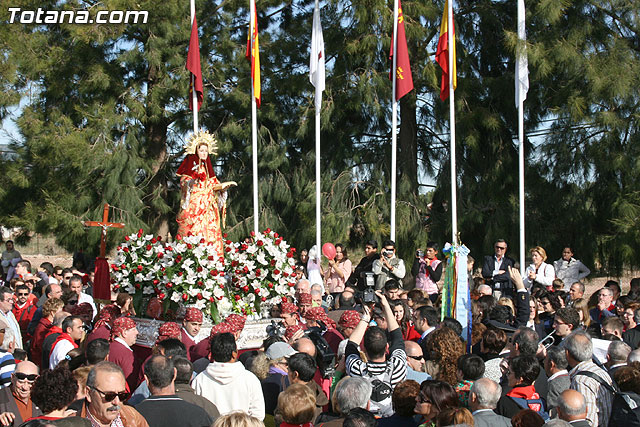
x=416 y=357
x=501 y=247
x=111 y=395
x=21 y=376
x=21 y=294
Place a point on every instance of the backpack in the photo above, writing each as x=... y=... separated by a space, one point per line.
x=625 y=408
x=536 y=405
x=381 y=391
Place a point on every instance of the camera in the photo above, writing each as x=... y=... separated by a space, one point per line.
x=324 y=355
x=420 y=253
x=276 y=329
x=368 y=295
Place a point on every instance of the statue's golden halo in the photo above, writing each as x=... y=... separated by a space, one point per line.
x=202 y=137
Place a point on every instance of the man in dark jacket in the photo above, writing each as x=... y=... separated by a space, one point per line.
x=365 y=265
x=15 y=400
x=495 y=269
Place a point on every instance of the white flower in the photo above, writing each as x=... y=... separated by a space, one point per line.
x=175 y=297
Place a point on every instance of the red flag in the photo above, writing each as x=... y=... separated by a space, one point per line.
x=442 y=54
x=193 y=65
x=404 y=79
x=253 y=54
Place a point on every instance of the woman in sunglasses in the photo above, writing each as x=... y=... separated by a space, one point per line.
x=434 y=397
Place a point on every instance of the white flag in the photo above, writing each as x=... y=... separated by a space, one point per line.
x=316 y=63
x=522 y=63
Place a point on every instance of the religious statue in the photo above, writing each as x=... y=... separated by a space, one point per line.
x=203 y=201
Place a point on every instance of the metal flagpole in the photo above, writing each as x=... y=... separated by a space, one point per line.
x=521 y=183
x=194 y=94
x=318 y=104
x=522 y=86
x=394 y=120
x=452 y=126
x=254 y=124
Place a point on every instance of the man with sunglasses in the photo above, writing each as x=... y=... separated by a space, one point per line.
x=495 y=270
x=415 y=362
x=15 y=400
x=106 y=392
x=23 y=309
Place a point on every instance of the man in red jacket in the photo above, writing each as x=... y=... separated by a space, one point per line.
x=23 y=309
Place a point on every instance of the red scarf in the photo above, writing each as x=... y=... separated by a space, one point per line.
x=62 y=337
x=53 y=329
x=526 y=392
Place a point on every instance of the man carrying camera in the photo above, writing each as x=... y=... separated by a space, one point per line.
x=388 y=266
x=382 y=373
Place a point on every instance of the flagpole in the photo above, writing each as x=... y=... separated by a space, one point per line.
x=452 y=126
x=394 y=120
x=318 y=183
x=521 y=75
x=254 y=125
x=194 y=94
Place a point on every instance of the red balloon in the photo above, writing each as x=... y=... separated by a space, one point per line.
x=329 y=250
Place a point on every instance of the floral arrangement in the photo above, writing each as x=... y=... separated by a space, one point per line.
x=248 y=278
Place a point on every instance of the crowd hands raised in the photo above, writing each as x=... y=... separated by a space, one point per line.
x=355 y=348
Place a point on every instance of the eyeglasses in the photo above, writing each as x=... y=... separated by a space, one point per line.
x=502 y=248
x=111 y=395
x=67 y=277
x=21 y=376
x=22 y=294
x=416 y=357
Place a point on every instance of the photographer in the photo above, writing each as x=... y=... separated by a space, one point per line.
x=427 y=269
x=389 y=372
x=388 y=266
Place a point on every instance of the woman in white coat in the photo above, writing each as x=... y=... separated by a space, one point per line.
x=539 y=271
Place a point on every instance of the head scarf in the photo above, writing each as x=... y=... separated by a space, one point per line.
x=318 y=313
x=349 y=319
x=193 y=315
x=288 y=333
x=304 y=298
x=191 y=164
x=168 y=330
x=235 y=322
x=288 y=308
x=107 y=315
x=122 y=324
x=82 y=310
x=220 y=328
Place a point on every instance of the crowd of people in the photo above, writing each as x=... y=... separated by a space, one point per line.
x=363 y=345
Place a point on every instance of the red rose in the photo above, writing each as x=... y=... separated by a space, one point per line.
x=199 y=295
x=160 y=255
x=159 y=238
x=245 y=269
x=270 y=285
x=234 y=263
x=210 y=257
x=179 y=258
x=211 y=299
x=284 y=299
x=267 y=231
x=185 y=297
x=224 y=235
x=137 y=285
x=148 y=247
x=227 y=249
x=259 y=243
x=161 y=296
x=213 y=272
x=285 y=274
x=221 y=286
x=292 y=284
x=257 y=291
x=220 y=298
x=273 y=262
x=227 y=242
x=237 y=297
x=153 y=240
x=200 y=283
x=140 y=267
x=199 y=268
x=289 y=255
x=179 y=273
x=237 y=271
x=156 y=281
x=253 y=234
x=244 y=247
x=125 y=249
x=169 y=248
x=276 y=271
x=245 y=288
x=126 y=238
x=178 y=237
x=202 y=241
x=189 y=246
x=113 y=266
x=263 y=299
x=169 y=285
x=257 y=271
x=189 y=234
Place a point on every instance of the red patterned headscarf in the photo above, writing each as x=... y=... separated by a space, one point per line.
x=122 y=324
x=304 y=298
x=235 y=322
x=168 y=330
x=288 y=308
x=193 y=315
x=291 y=330
x=318 y=313
x=107 y=315
x=349 y=319
x=220 y=328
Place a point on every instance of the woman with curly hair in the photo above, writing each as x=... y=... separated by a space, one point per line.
x=434 y=397
x=402 y=312
x=53 y=392
x=444 y=347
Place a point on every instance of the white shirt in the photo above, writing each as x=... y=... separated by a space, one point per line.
x=557 y=374
x=545 y=275
x=59 y=352
x=11 y=321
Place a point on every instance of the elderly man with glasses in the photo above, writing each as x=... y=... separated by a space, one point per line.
x=106 y=392
x=15 y=400
x=495 y=270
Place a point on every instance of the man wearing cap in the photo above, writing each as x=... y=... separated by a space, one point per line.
x=123 y=336
x=348 y=322
x=15 y=400
x=289 y=313
x=191 y=327
x=277 y=379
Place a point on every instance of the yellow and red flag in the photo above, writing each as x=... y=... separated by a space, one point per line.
x=442 y=54
x=253 y=54
x=404 y=79
x=193 y=65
